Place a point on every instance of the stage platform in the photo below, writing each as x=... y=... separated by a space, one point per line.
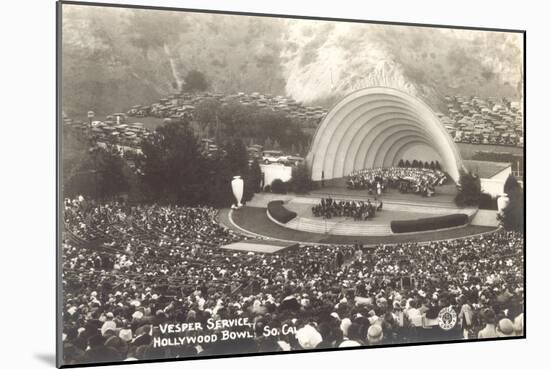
x=262 y=246
x=377 y=226
x=380 y=225
x=254 y=222
x=396 y=206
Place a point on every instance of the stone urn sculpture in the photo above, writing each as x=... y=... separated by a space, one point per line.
x=237 y=185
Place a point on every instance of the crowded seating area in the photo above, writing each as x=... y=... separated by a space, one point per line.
x=407 y=180
x=358 y=210
x=127 y=270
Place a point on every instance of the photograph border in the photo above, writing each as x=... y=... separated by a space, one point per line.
x=59 y=171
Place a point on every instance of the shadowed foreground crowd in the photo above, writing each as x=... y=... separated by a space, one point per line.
x=129 y=270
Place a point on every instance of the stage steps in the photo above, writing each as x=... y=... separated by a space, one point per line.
x=339 y=227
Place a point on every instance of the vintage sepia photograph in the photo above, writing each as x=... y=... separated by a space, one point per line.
x=239 y=184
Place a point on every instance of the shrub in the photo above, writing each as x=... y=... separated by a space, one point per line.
x=487 y=202
x=301 y=179
x=470 y=193
x=428 y=224
x=278 y=186
x=512 y=217
x=195 y=81
x=278 y=212
x=469 y=190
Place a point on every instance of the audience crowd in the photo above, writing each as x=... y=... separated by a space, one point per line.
x=358 y=210
x=406 y=180
x=128 y=270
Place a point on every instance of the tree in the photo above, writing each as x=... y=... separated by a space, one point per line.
x=195 y=81
x=101 y=174
x=236 y=157
x=293 y=149
x=401 y=163
x=74 y=153
x=173 y=169
x=217 y=187
x=300 y=148
x=301 y=179
x=512 y=217
x=248 y=123
x=254 y=178
x=111 y=168
x=235 y=163
x=469 y=190
x=207 y=115
x=512 y=186
x=268 y=144
x=278 y=186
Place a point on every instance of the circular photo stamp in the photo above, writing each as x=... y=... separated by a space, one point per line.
x=447 y=318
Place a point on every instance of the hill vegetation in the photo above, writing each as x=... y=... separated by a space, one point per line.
x=115 y=58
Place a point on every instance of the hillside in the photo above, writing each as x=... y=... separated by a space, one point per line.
x=115 y=58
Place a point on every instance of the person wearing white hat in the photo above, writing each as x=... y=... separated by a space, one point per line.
x=125 y=334
x=375 y=335
x=349 y=343
x=308 y=337
x=109 y=325
x=344 y=326
x=137 y=315
x=505 y=328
